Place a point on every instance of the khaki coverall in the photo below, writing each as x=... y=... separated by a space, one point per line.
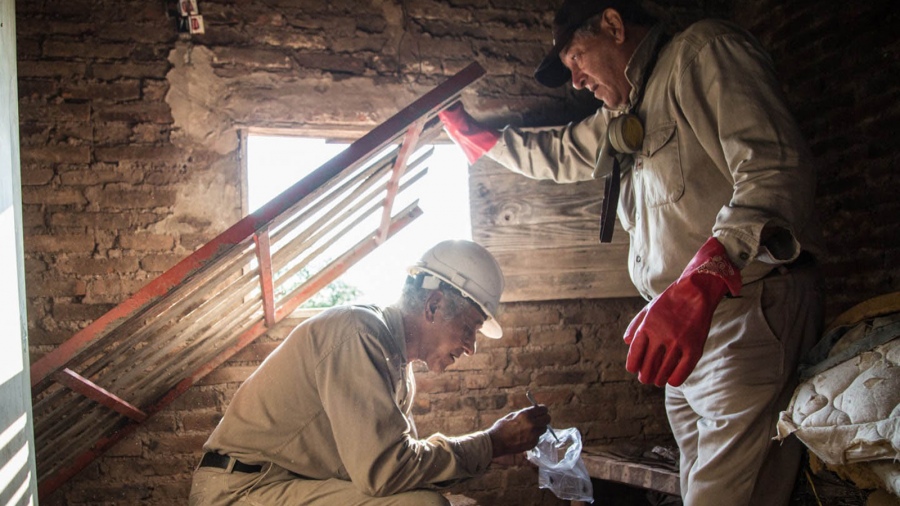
x=327 y=414
x=723 y=157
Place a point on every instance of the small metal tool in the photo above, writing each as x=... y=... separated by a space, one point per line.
x=534 y=403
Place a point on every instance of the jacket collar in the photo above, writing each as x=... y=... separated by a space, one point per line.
x=394 y=319
x=642 y=62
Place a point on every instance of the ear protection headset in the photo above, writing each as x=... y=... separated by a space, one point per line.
x=625 y=136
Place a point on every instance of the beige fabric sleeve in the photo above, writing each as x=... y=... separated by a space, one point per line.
x=565 y=154
x=375 y=440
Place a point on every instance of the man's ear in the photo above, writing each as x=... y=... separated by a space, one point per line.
x=432 y=303
x=613 y=25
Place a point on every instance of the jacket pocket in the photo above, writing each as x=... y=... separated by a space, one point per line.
x=660 y=166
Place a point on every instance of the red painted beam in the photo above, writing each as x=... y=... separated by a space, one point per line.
x=365 y=146
x=264 y=257
x=393 y=186
x=91 y=390
x=49 y=484
x=344 y=262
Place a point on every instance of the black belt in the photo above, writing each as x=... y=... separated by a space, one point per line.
x=211 y=459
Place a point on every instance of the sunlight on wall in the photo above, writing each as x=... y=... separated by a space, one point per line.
x=276 y=162
x=14 y=470
x=11 y=359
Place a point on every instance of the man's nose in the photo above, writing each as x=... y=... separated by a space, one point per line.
x=577 y=79
x=469 y=346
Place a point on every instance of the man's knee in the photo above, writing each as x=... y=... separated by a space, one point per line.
x=419 y=498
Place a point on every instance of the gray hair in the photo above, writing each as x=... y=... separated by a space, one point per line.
x=413 y=297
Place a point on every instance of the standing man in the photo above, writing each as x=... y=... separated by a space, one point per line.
x=716 y=187
x=325 y=420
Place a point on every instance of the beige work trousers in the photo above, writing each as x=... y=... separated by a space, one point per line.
x=723 y=417
x=275 y=485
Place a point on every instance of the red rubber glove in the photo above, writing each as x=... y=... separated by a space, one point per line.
x=470 y=135
x=666 y=338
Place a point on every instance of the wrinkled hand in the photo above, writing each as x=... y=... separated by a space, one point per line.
x=474 y=138
x=666 y=338
x=519 y=431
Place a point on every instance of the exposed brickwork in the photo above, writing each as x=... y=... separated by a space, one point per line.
x=115 y=190
x=840 y=74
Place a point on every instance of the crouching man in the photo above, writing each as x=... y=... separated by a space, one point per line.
x=326 y=419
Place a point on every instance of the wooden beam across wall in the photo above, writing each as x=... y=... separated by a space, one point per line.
x=546 y=236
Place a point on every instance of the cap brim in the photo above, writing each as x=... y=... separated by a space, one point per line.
x=551 y=72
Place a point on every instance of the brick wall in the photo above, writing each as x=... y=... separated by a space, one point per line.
x=839 y=63
x=122 y=177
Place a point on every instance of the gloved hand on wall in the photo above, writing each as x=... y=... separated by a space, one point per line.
x=666 y=338
x=474 y=138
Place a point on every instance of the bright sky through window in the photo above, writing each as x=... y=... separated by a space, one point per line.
x=276 y=162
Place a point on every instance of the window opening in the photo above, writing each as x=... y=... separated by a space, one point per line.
x=275 y=162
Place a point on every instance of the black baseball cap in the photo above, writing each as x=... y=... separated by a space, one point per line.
x=571 y=16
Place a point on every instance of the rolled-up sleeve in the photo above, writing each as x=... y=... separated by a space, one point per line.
x=732 y=101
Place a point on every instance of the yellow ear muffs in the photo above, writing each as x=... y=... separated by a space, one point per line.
x=626 y=133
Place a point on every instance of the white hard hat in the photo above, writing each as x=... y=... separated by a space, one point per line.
x=472 y=270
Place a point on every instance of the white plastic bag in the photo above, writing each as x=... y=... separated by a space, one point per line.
x=566 y=477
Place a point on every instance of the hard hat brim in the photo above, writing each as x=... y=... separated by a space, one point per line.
x=490 y=328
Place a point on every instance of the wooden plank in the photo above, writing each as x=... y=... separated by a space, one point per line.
x=558 y=259
x=78 y=407
x=546 y=236
x=561 y=271
x=511 y=200
x=264 y=261
x=410 y=141
x=310 y=245
x=569 y=285
x=628 y=465
x=508 y=208
x=104 y=423
x=187 y=327
x=208 y=339
x=595 y=272
x=559 y=234
x=315 y=216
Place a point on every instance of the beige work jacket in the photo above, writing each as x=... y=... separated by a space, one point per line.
x=333 y=401
x=722 y=156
